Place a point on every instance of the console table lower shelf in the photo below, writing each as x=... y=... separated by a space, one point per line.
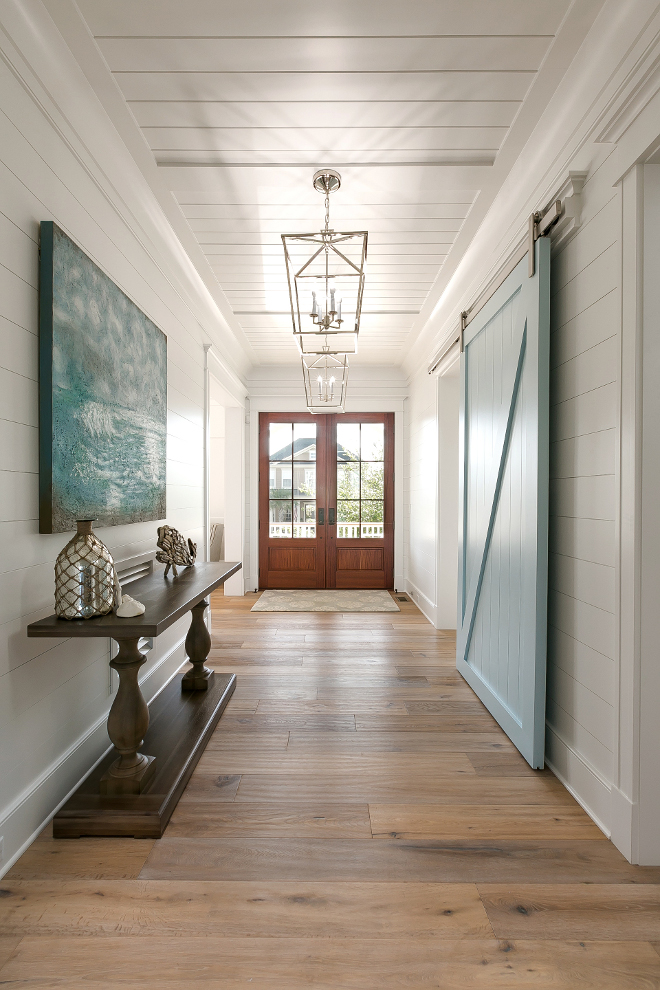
x=180 y=724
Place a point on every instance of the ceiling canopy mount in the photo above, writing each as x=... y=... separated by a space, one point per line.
x=326 y=181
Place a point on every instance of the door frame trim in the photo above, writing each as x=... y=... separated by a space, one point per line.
x=295 y=403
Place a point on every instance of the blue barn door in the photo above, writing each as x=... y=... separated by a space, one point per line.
x=503 y=504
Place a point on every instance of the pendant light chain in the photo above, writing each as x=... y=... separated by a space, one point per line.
x=327 y=213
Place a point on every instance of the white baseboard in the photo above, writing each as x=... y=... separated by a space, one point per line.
x=423 y=603
x=580 y=779
x=623 y=819
x=31 y=811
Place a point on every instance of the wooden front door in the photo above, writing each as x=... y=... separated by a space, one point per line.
x=326 y=500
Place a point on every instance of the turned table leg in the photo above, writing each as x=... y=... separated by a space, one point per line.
x=198 y=645
x=128 y=722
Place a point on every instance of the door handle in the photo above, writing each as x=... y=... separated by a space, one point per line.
x=321 y=515
x=331 y=517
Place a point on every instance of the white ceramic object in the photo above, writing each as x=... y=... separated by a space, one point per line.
x=129 y=607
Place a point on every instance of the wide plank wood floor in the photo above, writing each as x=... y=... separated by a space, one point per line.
x=358 y=821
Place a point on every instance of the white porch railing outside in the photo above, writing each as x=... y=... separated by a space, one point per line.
x=345 y=531
x=351 y=531
x=289 y=530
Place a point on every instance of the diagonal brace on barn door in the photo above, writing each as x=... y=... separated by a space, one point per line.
x=471 y=599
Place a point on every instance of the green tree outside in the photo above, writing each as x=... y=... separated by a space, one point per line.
x=373 y=491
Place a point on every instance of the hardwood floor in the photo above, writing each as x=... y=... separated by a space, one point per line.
x=358 y=821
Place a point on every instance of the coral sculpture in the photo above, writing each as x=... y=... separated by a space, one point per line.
x=174 y=549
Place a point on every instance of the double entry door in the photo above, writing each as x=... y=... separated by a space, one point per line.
x=326 y=500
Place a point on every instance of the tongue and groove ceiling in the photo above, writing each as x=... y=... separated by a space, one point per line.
x=422 y=105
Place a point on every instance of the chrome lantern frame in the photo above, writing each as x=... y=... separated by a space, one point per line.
x=326 y=378
x=322 y=270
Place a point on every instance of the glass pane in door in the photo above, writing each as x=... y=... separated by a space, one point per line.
x=304 y=479
x=279 y=441
x=372 y=516
x=304 y=441
x=280 y=481
x=348 y=442
x=348 y=481
x=280 y=519
x=372 y=445
x=360 y=481
x=304 y=519
x=348 y=520
x=372 y=480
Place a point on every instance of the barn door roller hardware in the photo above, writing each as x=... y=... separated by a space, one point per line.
x=464 y=321
x=539 y=225
x=563 y=216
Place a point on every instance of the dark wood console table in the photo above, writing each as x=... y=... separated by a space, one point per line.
x=130 y=793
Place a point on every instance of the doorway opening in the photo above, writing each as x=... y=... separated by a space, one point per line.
x=326 y=500
x=225 y=513
x=216 y=477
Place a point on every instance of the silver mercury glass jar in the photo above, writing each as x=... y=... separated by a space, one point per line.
x=85 y=578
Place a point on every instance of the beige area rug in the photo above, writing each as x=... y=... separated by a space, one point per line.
x=325 y=601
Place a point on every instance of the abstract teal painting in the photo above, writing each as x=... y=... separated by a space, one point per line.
x=102 y=396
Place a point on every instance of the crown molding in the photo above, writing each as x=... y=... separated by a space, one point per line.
x=632 y=97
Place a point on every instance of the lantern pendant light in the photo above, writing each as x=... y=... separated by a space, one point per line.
x=326 y=378
x=325 y=273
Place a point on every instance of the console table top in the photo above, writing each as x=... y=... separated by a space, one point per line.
x=166 y=600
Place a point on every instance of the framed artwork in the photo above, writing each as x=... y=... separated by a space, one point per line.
x=102 y=396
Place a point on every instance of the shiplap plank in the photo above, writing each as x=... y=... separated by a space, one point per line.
x=581 y=703
x=514 y=17
x=593 y=325
x=591 y=669
x=320 y=87
x=19 y=301
x=586 y=287
x=19 y=399
x=345 y=55
x=587 y=413
x=596 y=367
x=20 y=351
x=18 y=252
x=584 y=580
x=585 y=539
x=593 y=497
x=571 y=731
x=590 y=625
x=595 y=233
x=590 y=454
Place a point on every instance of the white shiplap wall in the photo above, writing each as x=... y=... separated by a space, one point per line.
x=54 y=695
x=585 y=358
x=421 y=492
